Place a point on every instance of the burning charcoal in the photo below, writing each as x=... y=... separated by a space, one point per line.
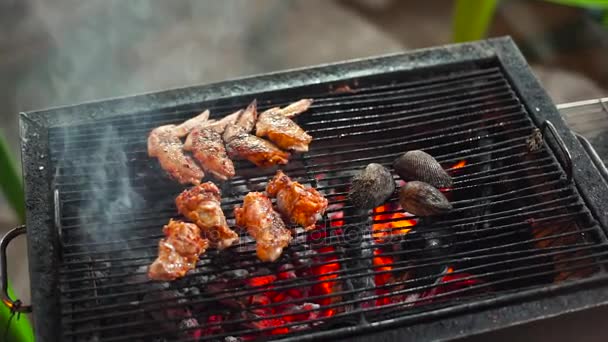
x=194 y=332
x=305 y=256
x=371 y=187
x=168 y=317
x=421 y=199
x=420 y=166
x=235 y=274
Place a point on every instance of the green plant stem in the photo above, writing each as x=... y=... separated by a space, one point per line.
x=10 y=181
x=20 y=330
x=471 y=19
x=582 y=3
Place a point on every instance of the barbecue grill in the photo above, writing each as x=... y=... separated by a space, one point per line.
x=526 y=239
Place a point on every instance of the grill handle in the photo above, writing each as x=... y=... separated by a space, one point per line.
x=566 y=159
x=13 y=305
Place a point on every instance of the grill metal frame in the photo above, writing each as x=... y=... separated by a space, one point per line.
x=43 y=242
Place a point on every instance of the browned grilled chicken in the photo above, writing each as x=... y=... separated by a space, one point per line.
x=264 y=225
x=241 y=144
x=296 y=108
x=220 y=125
x=282 y=131
x=201 y=204
x=178 y=252
x=208 y=149
x=185 y=127
x=257 y=150
x=300 y=204
x=165 y=145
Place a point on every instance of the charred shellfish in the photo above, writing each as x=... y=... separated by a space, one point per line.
x=421 y=199
x=417 y=165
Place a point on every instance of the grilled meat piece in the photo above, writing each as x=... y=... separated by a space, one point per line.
x=240 y=144
x=165 y=145
x=185 y=127
x=300 y=204
x=248 y=117
x=201 y=204
x=208 y=149
x=178 y=252
x=220 y=125
x=264 y=225
x=282 y=131
x=296 y=108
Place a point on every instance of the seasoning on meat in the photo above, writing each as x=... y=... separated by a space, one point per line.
x=165 y=145
x=208 y=149
x=282 y=131
x=201 y=204
x=262 y=153
x=296 y=108
x=178 y=252
x=301 y=205
x=185 y=127
x=264 y=225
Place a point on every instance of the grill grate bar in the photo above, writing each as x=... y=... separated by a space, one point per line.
x=379 y=245
x=320 y=102
x=497 y=215
x=347 y=274
x=491 y=88
x=262 y=182
x=227 y=293
x=464 y=108
x=464 y=255
x=351 y=302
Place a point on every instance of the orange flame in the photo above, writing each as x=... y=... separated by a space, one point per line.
x=459 y=165
x=327 y=284
x=398 y=221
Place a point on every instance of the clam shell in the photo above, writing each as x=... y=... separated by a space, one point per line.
x=420 y=166
x=421 y=199
x=371 y=187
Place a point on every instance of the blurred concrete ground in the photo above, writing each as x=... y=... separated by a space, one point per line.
x=68 y=51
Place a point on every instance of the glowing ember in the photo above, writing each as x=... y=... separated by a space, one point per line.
x=393 y=221
x=326 y=286
x=459 y=165
x=382 y=263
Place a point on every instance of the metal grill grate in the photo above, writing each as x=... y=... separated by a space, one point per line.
x=517 y=222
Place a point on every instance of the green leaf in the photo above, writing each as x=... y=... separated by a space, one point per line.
x=20 y=329
x=10 y=181
x=471 y=19
x=582 y=3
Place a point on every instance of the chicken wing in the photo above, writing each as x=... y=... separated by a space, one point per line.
x=165 y=145
x=282 y=131
x=185 y=127
x=262 y=153
x=301 y=205
x=264 y=225
x=208 y=149
x=296 y=108
x=248 y=117
x=178 y=252
x=201 y=204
